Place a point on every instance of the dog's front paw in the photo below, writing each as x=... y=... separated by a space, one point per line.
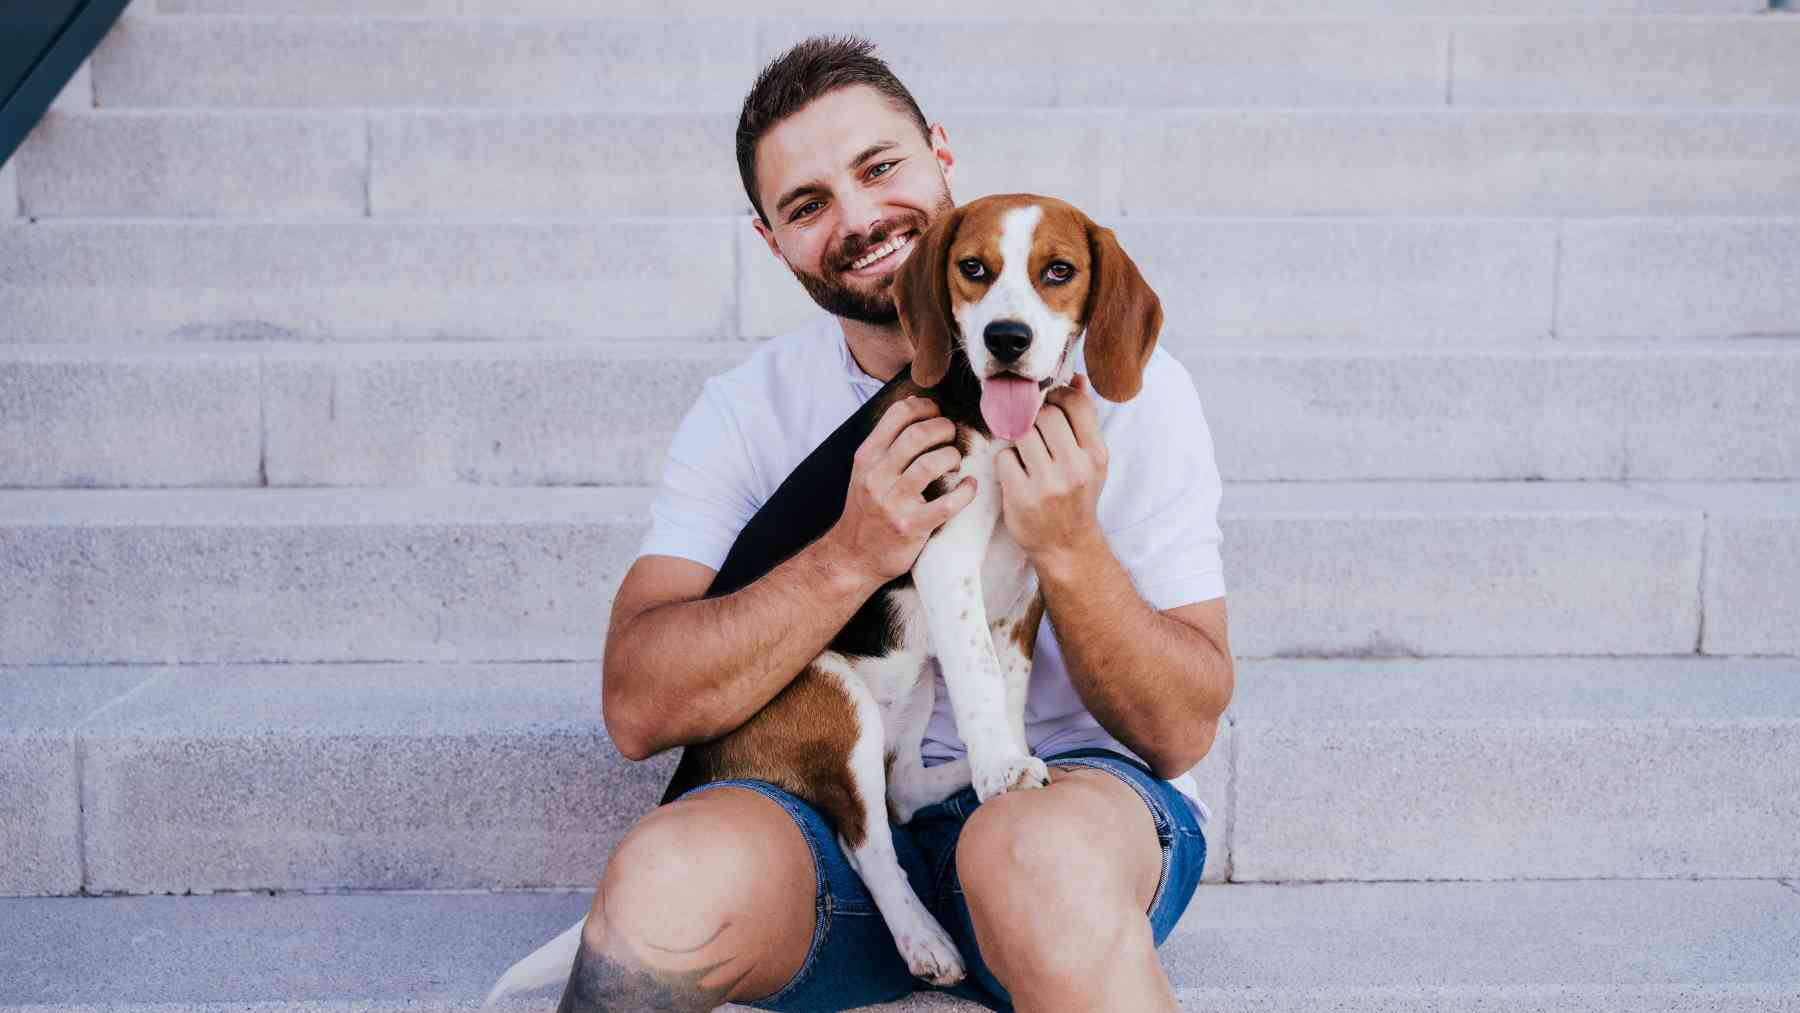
x=1009 y=774
x=902 y=810
x=930 y=953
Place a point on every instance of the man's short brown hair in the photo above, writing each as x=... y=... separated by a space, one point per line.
x=821 y=64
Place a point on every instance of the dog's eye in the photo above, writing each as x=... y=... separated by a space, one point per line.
x=972 y=269
x=1059 y=271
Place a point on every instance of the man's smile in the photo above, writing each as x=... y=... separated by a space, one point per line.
x=884 y=257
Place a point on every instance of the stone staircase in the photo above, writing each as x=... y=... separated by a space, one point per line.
x=340 y=343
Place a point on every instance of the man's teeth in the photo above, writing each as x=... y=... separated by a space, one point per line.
x=881 y=251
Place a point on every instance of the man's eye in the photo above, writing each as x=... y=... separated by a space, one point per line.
x=972 y=269
x=800 y=212
x=872 y=171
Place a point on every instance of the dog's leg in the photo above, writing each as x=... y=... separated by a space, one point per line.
x=931 y=785
x=912 y=785
x=1015 y=642
x=928 y=950
x=948 y=576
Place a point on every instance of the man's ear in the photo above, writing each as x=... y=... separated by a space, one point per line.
x=766 y=234
x=1124 y=317
x=922 y=296
x=939 y=141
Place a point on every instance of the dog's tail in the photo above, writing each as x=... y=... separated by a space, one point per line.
x=548 y=964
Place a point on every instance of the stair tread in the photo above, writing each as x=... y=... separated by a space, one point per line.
x=1354 y=941
x=555 y=699
x=574 y=504
x=423 y=699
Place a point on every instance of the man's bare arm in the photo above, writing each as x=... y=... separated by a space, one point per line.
x=691 y=670
x=1156 y=683
x=680 y=668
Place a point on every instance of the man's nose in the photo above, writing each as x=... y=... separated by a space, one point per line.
x=1007 y=339
x=860 y=216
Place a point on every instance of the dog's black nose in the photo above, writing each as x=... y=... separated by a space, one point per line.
x=1007 y=339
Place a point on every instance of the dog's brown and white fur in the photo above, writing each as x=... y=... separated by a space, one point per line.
x=845 y=735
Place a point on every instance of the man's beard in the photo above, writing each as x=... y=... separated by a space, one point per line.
x=833 y=292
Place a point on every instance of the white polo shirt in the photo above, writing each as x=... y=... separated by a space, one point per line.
x=753 y=424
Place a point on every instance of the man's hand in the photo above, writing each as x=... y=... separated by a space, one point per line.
x=1050 y=480
x=887 y=520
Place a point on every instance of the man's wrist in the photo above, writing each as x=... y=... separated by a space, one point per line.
x=1068 y=559
x=843 y=571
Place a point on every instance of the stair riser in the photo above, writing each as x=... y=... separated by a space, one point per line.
x=623 y=63
x=1144 y=163
x=531 y=414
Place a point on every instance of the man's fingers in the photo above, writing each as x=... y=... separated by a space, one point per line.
x=949 y=504
x=920 y=440
x=1077 y=403
x=1007 y=468
x=893 y=422
x=925 y=469
x=1058 y=438
x=1032 y=453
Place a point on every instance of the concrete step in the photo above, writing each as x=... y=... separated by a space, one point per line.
x=489 y=574
x=1595 y=947
x=148 y=779
x=1368 y=280
x=624 y=63
x=208 y=414
x=479 y=163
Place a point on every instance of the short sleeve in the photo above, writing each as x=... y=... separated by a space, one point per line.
x=1161 y=518
x=706 y=495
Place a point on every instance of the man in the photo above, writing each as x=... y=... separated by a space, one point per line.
x=1056 y=896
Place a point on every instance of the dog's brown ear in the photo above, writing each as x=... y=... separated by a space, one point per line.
x=922 y=295
x=1124 y=317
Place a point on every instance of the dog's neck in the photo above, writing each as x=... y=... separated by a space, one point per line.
x=958 y=394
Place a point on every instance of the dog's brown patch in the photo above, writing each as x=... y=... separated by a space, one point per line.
x=1124 y=317
x=1025 y=633
x=800 y=742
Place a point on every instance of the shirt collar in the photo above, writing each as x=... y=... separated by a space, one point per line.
x=852 y=371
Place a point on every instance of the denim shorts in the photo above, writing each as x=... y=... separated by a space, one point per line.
x=853 y=960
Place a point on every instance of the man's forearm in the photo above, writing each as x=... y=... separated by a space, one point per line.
x=691 y=671
x=1155 y=683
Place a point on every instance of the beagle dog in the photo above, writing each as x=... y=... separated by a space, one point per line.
x=994 y=299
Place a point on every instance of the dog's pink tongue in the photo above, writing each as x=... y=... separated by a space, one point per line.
x=1010 y=405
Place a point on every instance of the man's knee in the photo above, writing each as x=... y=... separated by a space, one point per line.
x=1025 y=854
x=711 y=885
x=682 y=871
x=1028 y=874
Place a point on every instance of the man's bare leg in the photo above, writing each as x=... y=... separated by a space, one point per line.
x=1080 y=851
x=706 y=901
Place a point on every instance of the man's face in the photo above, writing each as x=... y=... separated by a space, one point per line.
x=838 y=180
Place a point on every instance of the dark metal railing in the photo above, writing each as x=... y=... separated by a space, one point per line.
x=42 y=45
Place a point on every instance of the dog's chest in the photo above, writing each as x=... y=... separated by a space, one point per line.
x=992 y=556
x=1007 y=580
x=1008 y=583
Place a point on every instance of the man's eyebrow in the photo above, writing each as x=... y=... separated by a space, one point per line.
x=816 y=186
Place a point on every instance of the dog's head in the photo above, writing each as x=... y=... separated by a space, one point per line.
x=1009 y=282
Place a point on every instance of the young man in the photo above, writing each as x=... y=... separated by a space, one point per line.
x=1057 y=896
